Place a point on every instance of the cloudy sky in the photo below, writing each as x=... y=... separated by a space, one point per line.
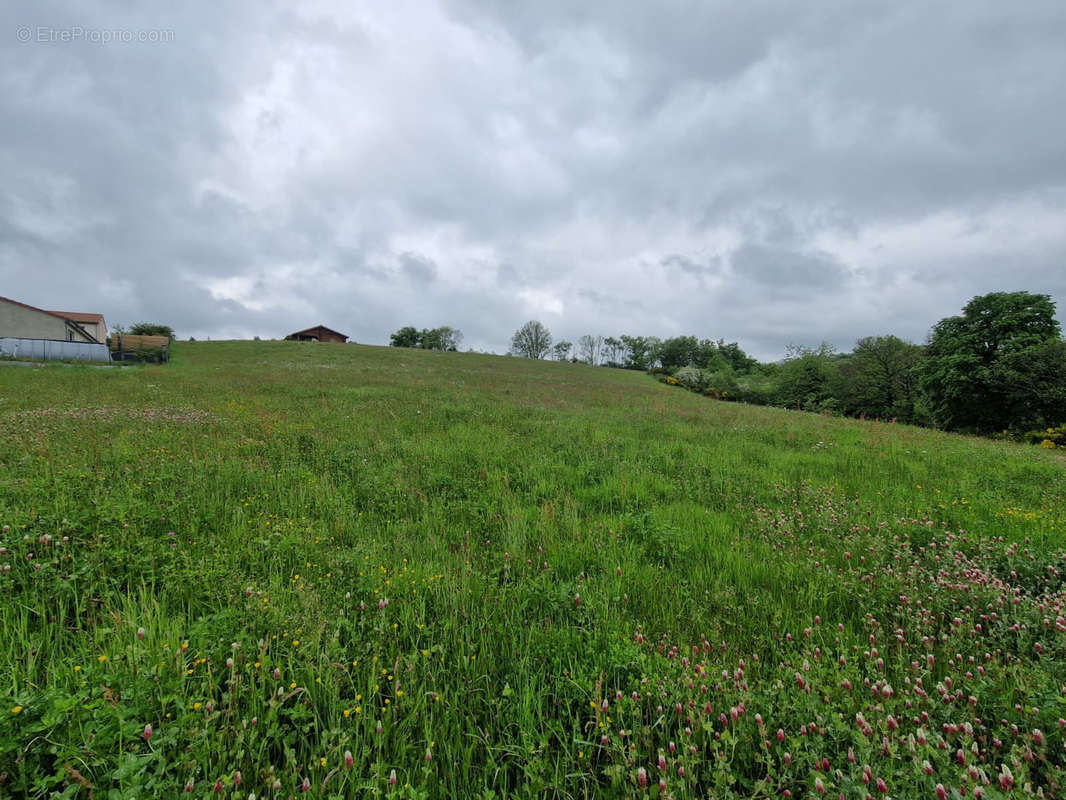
x=764 y=171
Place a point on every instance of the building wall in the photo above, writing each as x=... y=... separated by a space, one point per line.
x=27 y=323
x=96 y=329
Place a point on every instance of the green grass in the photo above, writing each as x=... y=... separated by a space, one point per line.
x=476 y=553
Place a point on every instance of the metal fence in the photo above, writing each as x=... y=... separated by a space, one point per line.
x=53 y=350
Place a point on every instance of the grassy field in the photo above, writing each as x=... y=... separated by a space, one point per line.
x=290 y=569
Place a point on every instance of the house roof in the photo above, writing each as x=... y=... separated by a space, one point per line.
x=79 y=316
x=32 y=308
x=318 y=329
x=68 y=319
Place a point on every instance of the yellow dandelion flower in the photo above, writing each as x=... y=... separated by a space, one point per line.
x=101 y=659
x=16 y=710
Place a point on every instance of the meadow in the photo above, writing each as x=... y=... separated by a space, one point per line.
x=289 y=569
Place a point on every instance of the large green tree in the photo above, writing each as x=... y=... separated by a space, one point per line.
x=999 y=365
x=880 y=379
x=406 y=336
x=807 y=378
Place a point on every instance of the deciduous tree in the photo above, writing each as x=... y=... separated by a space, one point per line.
x=996 y=366
x=532 y=340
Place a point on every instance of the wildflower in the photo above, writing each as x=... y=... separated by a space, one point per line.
x=1006 y=779
x=306 y=785
x=941 y=792
x=642 y=777
x=392 y=778
x=147 y=732
x=349 y=760
x=429 y=755
x=276 y=785
x=237 y=778
x=218 y=786
x=16 y=710
x=140 y=633
x=819 y=786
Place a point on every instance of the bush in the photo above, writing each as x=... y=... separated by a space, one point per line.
x=1050 y=438
x=691 y=378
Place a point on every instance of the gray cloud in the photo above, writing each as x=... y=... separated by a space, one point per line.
x=767 y=172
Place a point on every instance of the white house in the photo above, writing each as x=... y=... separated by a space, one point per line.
x=21 y=321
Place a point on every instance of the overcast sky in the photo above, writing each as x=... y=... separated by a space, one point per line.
x=764 y=171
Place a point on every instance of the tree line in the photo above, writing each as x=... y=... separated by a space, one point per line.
x=443 y=338
x=1000 y=365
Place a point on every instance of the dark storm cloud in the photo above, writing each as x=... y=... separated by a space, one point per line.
x=767 y=172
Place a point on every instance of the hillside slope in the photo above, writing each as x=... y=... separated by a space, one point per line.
x=500 y=577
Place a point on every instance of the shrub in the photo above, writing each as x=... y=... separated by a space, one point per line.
x=691 y=378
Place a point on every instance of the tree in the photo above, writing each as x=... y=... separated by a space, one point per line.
x=150 y=329
x=561 y=350
x=640 y=351
x=740 y=361
x=995 y=366
x=443 y=338
x=589 y=349
x=613 y=350
x=679 y=351
x=532 y=340
x=880 y=379
x=806 y=378
x=406 y=336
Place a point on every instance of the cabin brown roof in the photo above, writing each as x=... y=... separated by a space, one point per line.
x=318 y=332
